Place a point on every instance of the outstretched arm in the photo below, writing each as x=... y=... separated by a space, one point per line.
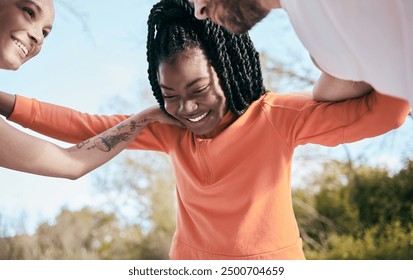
x=22 y=152
x=56 y=121
x=329 y=88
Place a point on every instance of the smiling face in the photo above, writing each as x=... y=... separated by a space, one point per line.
x=191 y=91
x=237 y=16
x=23 y=26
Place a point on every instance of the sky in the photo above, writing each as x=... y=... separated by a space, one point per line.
x=94 y=59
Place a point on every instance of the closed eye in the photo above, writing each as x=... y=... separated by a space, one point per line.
x=169 y=96
x=201 y=90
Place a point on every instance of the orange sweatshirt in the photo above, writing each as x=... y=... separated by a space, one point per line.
x=233 y=190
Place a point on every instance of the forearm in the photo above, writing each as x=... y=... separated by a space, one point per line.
x=329 y=88
x=7 y=102
x=334 y=123
x=385 y=114
x=22 y=152
x=92 y=153
x=60 y=122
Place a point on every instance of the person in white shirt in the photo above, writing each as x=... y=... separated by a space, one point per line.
x=364 y=41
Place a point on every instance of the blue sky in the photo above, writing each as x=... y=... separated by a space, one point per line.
x=88 y=69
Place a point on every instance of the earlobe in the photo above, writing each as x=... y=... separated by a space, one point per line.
x=201 y=10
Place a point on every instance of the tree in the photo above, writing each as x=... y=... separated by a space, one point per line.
x=83 y=234
x=364 y=213
x=141 y=190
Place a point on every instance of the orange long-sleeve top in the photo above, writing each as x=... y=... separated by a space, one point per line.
x=233 y=189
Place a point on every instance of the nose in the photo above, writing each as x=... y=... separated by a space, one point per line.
x=201 y=9
x=187 y=107
x=36 y=35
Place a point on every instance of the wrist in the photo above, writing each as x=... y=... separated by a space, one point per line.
x=7 y=103
x=144 y=118
x=152 y=114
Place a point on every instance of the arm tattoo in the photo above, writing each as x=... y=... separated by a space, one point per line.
x=109 y=140
x=141 y=124
x=133 y=125
x=107 y=143
x=80 y=145
x=120 y=126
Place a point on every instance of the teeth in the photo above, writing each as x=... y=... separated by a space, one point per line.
x=22 y=47
x=197 y=119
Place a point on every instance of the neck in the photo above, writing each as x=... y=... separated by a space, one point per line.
x=270 y=4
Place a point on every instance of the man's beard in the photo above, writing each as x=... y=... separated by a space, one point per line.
x=241 y=16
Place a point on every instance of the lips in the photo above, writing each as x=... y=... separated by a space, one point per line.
x=21 y=46
x=198 y=118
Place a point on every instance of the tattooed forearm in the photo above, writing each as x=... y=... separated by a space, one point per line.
x=133 y=125
x=110 y=139
x=120 y=126
x=107 y=143
x=80 y=145
x=139 y=124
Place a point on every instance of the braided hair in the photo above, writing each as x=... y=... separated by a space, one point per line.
x=173 y=29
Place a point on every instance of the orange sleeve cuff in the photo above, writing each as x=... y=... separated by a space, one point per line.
x=24 y=111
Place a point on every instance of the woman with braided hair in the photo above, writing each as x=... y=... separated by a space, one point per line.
x=232 y=157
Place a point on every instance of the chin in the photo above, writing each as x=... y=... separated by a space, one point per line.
x=200 y=132
x=11 y=66
x=11 y=61
x=14 y=68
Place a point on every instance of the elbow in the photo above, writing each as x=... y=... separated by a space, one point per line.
x=401 y=121
x=319 y=95
x=405 y=111
x=395 y=110
x=398 y=120
x=74 y=177
x=75 y=174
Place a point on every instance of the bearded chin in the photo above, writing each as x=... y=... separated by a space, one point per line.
x=243 y=19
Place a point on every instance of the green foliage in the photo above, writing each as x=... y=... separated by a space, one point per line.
x=357 y=213
x=391 y=241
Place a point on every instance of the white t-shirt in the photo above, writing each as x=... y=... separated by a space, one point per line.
x=360 y=40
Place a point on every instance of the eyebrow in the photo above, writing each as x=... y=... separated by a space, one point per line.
x=38 y=7
x=190 y=84
x=35 y=3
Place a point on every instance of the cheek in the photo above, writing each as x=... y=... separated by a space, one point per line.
x=219 y=94
x=170 y=108
x=35 y=52
x=222 y=101
x=167 y=108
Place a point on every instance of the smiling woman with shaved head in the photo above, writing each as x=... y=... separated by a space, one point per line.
x=24 y=24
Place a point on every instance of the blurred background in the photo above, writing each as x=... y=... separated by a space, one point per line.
x=352 y=201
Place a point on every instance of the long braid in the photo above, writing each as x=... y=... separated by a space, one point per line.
x=172 y=29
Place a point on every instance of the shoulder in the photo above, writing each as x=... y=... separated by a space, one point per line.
x=160 y=137
x=279 y=108
x=290 y=101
